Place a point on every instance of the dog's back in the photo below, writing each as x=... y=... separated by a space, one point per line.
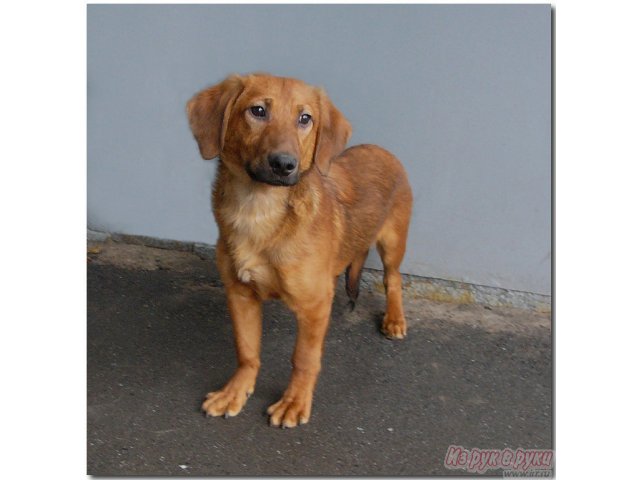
x=370 y=182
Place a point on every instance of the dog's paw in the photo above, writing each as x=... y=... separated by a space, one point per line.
x=222 y=402
x=231 y=399
x=291 y=410
x=394 y=327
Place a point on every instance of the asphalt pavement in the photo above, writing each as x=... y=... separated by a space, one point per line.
x=160 y=338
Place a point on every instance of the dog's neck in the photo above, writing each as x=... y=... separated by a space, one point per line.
x=250 y=210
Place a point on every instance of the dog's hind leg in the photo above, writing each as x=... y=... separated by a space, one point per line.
x=352 y=278
x=391 y=244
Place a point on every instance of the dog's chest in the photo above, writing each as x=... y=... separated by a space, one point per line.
x=254 y=221
x=256 y=270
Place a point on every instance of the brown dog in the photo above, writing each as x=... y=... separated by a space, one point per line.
x=294 y=211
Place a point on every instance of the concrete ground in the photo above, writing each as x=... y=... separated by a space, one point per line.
x=159 y=339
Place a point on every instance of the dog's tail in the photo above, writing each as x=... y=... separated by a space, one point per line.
x=352 y=278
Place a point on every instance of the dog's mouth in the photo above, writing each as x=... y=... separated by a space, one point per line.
x=267 y=175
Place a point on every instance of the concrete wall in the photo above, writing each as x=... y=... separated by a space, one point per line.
x=461 y=94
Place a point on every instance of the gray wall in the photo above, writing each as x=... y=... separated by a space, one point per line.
x=461 y=94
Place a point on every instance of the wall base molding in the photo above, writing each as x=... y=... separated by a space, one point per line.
x=435 y=289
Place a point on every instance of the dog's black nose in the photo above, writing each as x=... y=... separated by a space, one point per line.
x=282 y=164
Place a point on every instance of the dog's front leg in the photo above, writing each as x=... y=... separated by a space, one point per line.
x=294 y=407
x=246 y=313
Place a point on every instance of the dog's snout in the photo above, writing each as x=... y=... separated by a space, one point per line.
x=280 y=169
x=282 y=164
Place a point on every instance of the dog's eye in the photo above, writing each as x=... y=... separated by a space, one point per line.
x=258 y=111
x=304 y=119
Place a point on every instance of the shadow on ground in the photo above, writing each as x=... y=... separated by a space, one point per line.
x=159 y=338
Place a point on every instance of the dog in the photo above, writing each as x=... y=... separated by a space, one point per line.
x=294 y=211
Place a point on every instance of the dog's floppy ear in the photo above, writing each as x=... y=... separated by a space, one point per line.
x=333 y=134
x=208 y=113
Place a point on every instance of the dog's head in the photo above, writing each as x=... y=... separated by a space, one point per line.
x=272 y=129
